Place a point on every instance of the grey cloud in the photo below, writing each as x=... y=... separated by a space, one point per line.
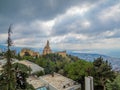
x=96 y=28
x=18 y=11
x=21 y=10
x=24 y=11
x=27 y=30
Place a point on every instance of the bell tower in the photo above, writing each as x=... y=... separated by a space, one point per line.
x=47 y=49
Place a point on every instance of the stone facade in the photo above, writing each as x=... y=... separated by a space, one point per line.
x=62 y=53
x=28 y=52
x=47 y=49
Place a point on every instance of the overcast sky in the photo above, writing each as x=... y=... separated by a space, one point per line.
x=79 y=25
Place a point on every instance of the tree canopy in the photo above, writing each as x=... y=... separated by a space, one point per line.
x=102 y=72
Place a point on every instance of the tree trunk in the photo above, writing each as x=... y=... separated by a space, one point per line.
x=104 y=87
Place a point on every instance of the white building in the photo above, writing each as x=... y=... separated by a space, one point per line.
x=89 y=83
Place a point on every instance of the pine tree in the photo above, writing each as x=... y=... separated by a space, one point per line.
x=103 y=72
x=8 y=79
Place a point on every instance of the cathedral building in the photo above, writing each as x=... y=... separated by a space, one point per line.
x=47 y=49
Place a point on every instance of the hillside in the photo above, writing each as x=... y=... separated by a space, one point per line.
x=90 y=57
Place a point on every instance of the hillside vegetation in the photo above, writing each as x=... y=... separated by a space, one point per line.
x=76 y=69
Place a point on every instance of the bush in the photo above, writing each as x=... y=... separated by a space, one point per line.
x=39 y=73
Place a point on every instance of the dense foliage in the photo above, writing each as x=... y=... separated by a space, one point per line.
x=51 y=62
x=102 y=73
x=115 y=85
x=39 y=73
x=78 y=70
x=69 y=66
x=21 y=67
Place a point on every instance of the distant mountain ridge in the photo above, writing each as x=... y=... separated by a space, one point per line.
x=90 y=57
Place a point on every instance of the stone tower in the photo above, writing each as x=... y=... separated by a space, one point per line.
x=47 y=49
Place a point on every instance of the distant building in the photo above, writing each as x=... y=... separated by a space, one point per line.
x=62 y=53
x=28 y=52
x=47 y=49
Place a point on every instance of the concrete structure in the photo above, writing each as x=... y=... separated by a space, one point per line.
x=35 y=82
x=47 y=49
x=28 y=52
x=89 y=83
x=33 y=66
x=59 y=82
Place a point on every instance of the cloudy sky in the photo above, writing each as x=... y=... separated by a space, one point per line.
x=79 y=25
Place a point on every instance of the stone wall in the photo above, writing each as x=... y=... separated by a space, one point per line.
x=28 y=52
x=62 y=53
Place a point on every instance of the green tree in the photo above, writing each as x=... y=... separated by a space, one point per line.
x=78 y=70
x=8 y=76
x=115 y=85
x=21 y=67
x=22 y=71
x=18 y=56
x=39 y=73
x=51 y=62
x=8 y=80
x=102 y=72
